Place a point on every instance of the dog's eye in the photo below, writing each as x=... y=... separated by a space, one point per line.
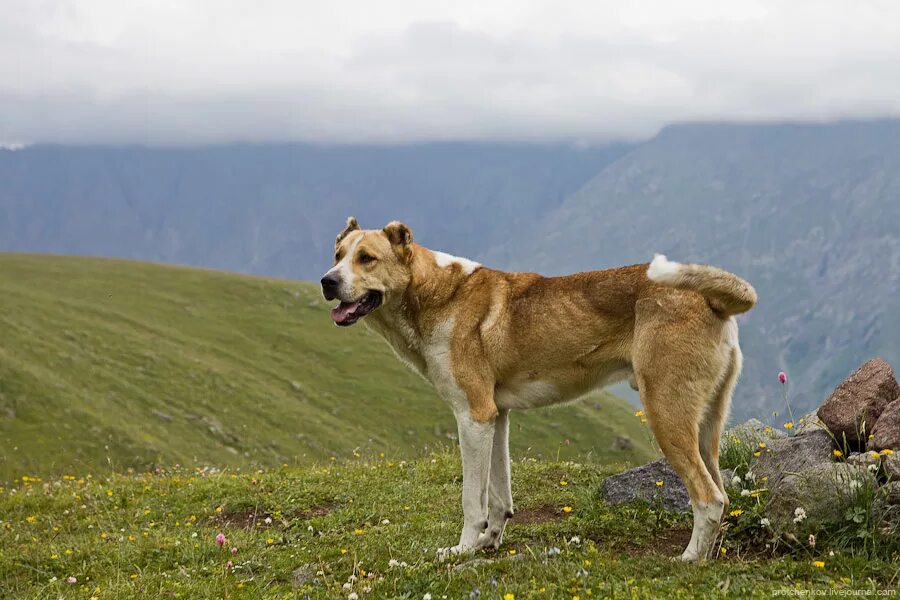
x=337 y=257
x=365 y=259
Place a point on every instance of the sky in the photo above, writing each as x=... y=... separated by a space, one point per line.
x=199 y=72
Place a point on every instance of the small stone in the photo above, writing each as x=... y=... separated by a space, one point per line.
x=891 y=466
x=303 y=574
x=791 y=455
x=853 y=408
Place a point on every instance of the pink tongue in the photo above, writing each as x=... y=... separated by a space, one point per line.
x=343 y=310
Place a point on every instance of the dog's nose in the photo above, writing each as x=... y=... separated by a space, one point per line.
x=330 y=285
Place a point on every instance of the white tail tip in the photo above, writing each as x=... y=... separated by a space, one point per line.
x=662 y=269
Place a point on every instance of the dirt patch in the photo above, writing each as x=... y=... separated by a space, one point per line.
x=537 y=514
x=670 y=542
x=260 y=519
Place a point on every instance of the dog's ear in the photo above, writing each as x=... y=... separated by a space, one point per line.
x=352 y=225
x=400 y=237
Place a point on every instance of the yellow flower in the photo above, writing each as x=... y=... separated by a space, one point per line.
x=789 y=425
x=343 y=551
x=218 y=509
x=762 y=444
x=564 y=482
x=639 y=413
x=757 y=453
x=643 y=420
x=31 y=519
x=819 y=564
x=768 y=429
x=509 y=597
x=567 y=509
x=837 y=453
x=736 y=512
x=886 y=451
x=358 y=531
x=660 y=483
x=587 y=563
x=109 y=492
x=723 y=550
x=512 y=552
x=269 y=542
x=576 y=597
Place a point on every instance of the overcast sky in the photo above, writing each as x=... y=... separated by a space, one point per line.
x=191 y=71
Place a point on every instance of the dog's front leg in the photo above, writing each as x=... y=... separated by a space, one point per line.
x=501 y=504
x=475 y=441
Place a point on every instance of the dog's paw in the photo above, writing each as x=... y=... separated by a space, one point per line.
x=458 y=550
x=489 y=540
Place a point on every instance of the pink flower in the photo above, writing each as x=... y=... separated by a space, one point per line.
x=782 y=377
x=71 y=580
x=220 y=539
x=234 y=551
x=229 y=565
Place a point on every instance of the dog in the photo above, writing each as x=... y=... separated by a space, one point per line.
x=492 y=341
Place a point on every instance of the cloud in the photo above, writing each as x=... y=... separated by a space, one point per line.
x=182 y=71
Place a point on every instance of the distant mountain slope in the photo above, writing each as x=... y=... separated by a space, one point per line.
x=124 y=363
x=809 y=214
x=274 y=209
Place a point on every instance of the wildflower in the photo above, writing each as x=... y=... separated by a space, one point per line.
x=812 y=541
x=31 y=519
x=512 y=552
x=660 y=483
x=819 y=564
x=745 y=493
x=736 y=480
x=639 y=413
x=789 y=425
x=229 y=565
x=385 y=521
x=757 y=453
x=218 y=509
x=358 y=531
x=886 y=452
x=765 y=522
x=736 y=512
x=393 y=563
x=343 y=551
x=782 y=377
x=71 y=580
x=567 y=509
x=768 y=430
x=268 y=520
x=270 y=541
x=220 y=539
x=563 y=483
x=353 y=596
x=575 y=540
x=723 y=550
x=762 y=444
x=509 y=597
x=427 y=596
x=799 y=514
x=554 y=551
x=233 y=550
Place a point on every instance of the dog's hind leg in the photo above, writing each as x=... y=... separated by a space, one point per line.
x=500 y=503
x=714 y=419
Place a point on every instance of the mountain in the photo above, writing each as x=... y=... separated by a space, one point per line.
x=127 y=364
x=275 y=209
x=810 y=214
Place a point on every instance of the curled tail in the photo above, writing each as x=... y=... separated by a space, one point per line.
x=726 y=293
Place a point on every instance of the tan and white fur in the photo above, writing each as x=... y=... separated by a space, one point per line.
x=491 y=341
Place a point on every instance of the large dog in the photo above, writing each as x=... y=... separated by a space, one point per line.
x=491 y=341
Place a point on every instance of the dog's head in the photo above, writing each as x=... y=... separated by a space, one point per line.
x=371 y=268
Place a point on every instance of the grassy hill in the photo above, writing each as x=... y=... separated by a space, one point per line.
x=369 y=529
x=107 y=363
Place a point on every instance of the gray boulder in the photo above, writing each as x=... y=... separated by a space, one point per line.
x=886 y=507
x=792 y=455
x=891 y=466
x=819 y=495
x=641 y=484
x=855 y=405
x=886 y=433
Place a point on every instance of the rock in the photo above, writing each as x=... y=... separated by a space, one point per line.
x=856 y=404
x=296 y=386
x=864 y=460
x=886 y=433
x=754 y=430
x=809 y=422
x=792 y=455
x=891 y=465
x=303 y=574
x=641 y=484
x=822 y=493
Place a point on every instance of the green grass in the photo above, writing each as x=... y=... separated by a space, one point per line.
x=108 y=364
x=153 y=535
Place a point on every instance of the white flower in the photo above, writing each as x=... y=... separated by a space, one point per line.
x=352 y=579
x=812 y=541
x=268 y=520
x=386 y=522
x=745 y=493
x=873 y=467
x=353 y=596
x=393 y=563
x=765 y=522
x=554 y=551
x=750 y=476
x=427 y=596
x=855 y=484
x=799 y=514
x=403 y=564
x=736 y=480
x=347 y=586
x=575 y=540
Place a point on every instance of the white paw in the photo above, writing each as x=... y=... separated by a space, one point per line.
x=458 y=550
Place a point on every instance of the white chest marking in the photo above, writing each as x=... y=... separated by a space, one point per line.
x=439 y=366
x=526 y=394
x=446 y=260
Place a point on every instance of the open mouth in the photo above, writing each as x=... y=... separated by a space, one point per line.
x=348 y=313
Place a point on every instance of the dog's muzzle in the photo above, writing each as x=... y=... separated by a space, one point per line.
x=330 y=284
